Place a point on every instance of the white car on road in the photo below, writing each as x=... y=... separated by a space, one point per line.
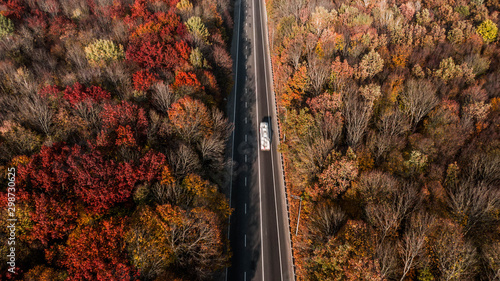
x=265 y=141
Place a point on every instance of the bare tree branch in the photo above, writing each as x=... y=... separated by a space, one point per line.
x=418 y=99
x=162 y=96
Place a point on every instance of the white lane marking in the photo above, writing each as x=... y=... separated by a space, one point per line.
x=246 y=120
x=272 y=158
x=246 y=138
x=246 y=104
x=245 y=181
x=258 y=152
x=246 y=158
x=234 y=118
x=245 y=208
x=245 y=276
x=245 y=240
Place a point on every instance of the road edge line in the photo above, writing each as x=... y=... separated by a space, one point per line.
x=269 y=62
x=258 y=145
x=234 y=122
x=272 y=157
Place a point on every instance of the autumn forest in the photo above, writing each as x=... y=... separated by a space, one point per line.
x=391 y=136
x=111 y=112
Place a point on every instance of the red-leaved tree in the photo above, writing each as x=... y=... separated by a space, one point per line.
x=151 y=165
x=97 y=252
x=53 y=218
x=47 y=170
x=116 y=118
x=158 y=42
x=186 y=83
x=79 y=93
x=99 y=182
x=143 y=79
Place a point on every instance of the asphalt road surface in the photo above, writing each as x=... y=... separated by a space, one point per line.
x=259 y=228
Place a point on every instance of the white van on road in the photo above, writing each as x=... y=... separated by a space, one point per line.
x=265 y=141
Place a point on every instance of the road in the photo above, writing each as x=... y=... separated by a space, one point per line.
x=259 y=228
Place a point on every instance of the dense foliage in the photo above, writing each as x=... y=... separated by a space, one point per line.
x=110 y=111
x=390 y=129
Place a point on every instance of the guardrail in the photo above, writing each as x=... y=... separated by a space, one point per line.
x=279 y=134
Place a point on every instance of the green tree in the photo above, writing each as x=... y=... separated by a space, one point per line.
x=6 y=26
x=488 y=30
x=425 y=275
x=196 y=58
x=101 y=52
x=198 y=29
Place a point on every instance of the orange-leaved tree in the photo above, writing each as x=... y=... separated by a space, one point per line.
x=167 y=237
x=97 y=252
x=191 y=118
